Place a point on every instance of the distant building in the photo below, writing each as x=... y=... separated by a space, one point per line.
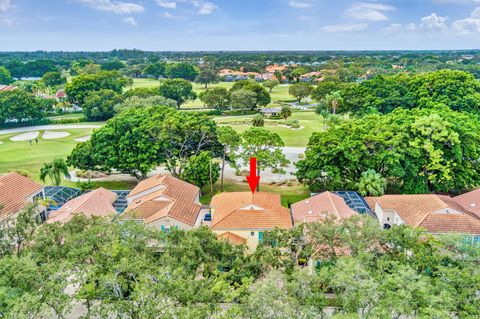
x=270 y=111
x=165 y=202
x=16 y=192
x=98 y=202
x=243 y=217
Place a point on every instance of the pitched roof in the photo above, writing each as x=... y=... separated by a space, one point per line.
x=435 y=213
x=232 y=238
x=314 y=208
x=14 y=190
x=242 y=210
x=98 y=202
x=470 y=201
x=164 y=196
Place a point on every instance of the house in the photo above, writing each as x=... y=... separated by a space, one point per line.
x=315 y=208
x=165 y=202
x=470 y=201
x=16 y=192
x=270 y=111
x=98 y=202
x=5 y=88
x=437 y=214
x=243 y=217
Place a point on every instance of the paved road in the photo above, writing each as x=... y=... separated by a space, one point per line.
x=47 y=127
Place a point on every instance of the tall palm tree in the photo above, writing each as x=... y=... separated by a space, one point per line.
x=333 y=101
x=55 y=170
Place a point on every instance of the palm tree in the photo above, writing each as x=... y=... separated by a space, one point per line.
x=333 y=101
x=54 y=171
x=371 y=183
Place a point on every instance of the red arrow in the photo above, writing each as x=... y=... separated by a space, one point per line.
x=253 y=179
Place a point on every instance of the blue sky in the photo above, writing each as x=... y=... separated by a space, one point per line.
x=239 y=24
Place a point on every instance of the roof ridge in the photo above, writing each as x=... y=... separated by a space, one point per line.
x=333 y=204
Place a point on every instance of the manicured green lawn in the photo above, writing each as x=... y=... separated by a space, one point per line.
x=28 y=157
x=298 y=138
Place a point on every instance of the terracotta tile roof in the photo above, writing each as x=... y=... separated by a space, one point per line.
x=314 y=208
x=435 y=213
x=164 y=196
x=14 y=190
x=98 y=202
x=232 y=238
x=470 y=201
x=246 y=211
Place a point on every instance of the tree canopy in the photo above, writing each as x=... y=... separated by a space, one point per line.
x=179 y=90
x=417 y=151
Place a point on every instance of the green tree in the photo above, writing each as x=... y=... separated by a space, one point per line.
x=271 y=84
x=243 y=99
x=201 y=170
x=258 y=120
x=300 y=90
x=141 y=92
x=371 y=183
x=181 y=71
x=113 y=65
x=53 y=79
x=265 y=146
x=99 y=105
x=19 y=105
x=178 y=90
x=216 y=97
x=325 y=87
x=286 y=112
x=333 y=101
x=54 y=171
x=207 y=76
x=230 y=140
x=5 y=76
x=138 y=102
x=155 y=70
x=262 y=97
x=81 y=86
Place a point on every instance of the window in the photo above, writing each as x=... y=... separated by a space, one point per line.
x=252 y=233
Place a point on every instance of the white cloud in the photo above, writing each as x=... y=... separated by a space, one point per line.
x=130 y=20
x=168 y=15
x=434 y=22
x=299 y=5
x=166 y=4
x=118 y=7
x=344 y=28
x=5 y=5
x=469 y=25
x=369 y=11
x=204 y=7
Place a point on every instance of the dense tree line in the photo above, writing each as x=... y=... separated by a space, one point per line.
x=417 y=151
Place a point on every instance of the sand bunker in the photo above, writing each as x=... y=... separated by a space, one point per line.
x=25 y=136
x=83 y=138
x=49 y=135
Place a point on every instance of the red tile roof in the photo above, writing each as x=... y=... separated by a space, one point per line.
x=14 y=191
x=232 y=238
x=164 y=196
x=313 y=209
x=435 y=213
x=98 y=202
x=470 y=201
x=242 y=210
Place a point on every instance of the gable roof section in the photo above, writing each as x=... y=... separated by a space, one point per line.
x=98 y=202
x=14 y=190
x=232 y=238
x=470 y=201
x=313 y=208
x=175 y=198
x=230 y=212
x=435 y=213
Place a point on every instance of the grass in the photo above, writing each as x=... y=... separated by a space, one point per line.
x=309 y=121
x=30 y=157
x=280 y=93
